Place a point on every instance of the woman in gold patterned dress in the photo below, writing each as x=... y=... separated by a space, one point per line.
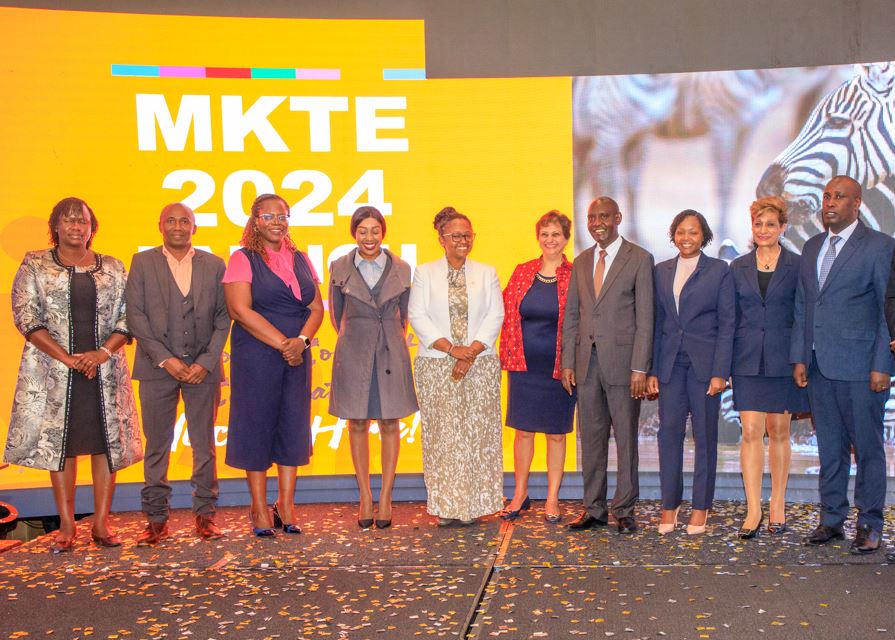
x=456 y=310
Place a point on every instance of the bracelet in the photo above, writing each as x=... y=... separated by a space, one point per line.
x=104 y=348
x=451 y=349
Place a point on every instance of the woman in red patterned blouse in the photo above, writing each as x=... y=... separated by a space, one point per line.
x=534 y=304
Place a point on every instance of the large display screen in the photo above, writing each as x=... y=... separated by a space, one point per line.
x=131 y=112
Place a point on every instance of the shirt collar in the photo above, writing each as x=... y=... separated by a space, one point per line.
x=379 y=260
x=845 y=234
x=170 y=256
x=610 y=250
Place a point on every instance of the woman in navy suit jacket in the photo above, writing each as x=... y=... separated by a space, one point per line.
x=763 y=389
x=692 y=347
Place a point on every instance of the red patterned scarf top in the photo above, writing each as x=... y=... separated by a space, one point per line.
x=512 y=354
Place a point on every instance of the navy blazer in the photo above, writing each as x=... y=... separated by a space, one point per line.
x=764 y=325
x=705 y=326
x=845 y=321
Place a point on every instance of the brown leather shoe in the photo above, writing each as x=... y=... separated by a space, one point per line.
x=154 y=533
x=206 y=528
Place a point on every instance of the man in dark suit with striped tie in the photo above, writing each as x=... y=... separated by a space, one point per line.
x=840 y=351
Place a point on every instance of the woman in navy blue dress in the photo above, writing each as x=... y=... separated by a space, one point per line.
x=534 y=306
x=763 y=388
x=272 y=294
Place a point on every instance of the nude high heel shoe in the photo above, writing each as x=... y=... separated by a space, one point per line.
x=698 y=529
x=665 y=529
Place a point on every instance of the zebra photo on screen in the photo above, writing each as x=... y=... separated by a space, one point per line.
x=851 y=131
x=615 y=118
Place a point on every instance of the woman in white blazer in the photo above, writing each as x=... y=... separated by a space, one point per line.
x=456 y=311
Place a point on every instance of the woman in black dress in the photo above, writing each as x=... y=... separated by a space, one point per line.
x=534 y=306
x=68 y=302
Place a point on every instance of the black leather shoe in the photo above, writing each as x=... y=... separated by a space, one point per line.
x=866 y=541
x=626 y=524
x=586 y=521
x=823 y=534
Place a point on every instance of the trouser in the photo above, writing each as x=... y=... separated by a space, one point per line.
x=158 y=401
x=846 y=414
x=681 y=396
x=602 y=406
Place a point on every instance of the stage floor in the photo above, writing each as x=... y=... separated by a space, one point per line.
x=528 y=579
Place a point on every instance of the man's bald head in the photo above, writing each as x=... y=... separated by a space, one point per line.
x=841 y=203
x=177 y=222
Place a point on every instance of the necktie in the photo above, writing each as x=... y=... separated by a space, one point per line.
x=827 y=262
x=598 y=273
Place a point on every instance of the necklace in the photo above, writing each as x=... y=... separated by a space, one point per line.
x=768 y=263
x=545 y=279
x=76 y=261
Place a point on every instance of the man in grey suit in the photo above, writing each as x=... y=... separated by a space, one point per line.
x=607 y=344
x=176 y=310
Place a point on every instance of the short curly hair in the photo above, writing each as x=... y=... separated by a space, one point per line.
x=555 y=217
x=775 y=204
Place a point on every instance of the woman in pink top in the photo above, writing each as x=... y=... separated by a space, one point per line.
x=272 y=294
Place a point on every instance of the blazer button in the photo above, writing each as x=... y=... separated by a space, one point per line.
x=388 y=372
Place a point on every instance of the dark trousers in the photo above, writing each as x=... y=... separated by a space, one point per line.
x=849 y=414
x=681 y=396
x=158 y=403
x=602 y=406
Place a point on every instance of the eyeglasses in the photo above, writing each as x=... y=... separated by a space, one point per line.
x=457 y=238
x=270 y=217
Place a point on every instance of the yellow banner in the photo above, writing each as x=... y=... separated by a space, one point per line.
x=131 y=112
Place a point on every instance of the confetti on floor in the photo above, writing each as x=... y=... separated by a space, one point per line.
x=528 y=579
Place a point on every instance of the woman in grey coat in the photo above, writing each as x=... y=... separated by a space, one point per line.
x=372 y=377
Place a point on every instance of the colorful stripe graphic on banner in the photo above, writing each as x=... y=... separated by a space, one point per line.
x=247 y=73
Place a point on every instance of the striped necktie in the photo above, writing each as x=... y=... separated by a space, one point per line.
x=827 y=264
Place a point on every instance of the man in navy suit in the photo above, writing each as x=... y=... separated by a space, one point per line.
x=840 y=351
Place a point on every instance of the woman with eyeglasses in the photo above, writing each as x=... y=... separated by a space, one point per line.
x=456 y=311
x=273 y=296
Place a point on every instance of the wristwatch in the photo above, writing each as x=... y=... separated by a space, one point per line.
x=306 y=340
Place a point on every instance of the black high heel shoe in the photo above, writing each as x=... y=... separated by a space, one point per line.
x=776 y=528
x=260 y=532
x=512 y=514
x=748 y=534
x=278 y=522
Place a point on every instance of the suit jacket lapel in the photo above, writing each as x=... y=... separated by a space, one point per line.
x=751 y=273
x=356 y=285
x=845 y=253
x=586 y=268
x=392 y=286
x=691 y=281
x=783 y=267
x=667 y=287
x=197 y=279
x=163 y=275
x=618 y=263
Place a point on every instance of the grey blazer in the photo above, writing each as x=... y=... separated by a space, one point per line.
x=371 y=330
x=147 y=298
x=620 y=322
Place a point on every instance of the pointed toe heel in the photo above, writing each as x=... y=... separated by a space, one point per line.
x=512 y=514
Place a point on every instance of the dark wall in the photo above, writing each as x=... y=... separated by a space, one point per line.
x=495 y=38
